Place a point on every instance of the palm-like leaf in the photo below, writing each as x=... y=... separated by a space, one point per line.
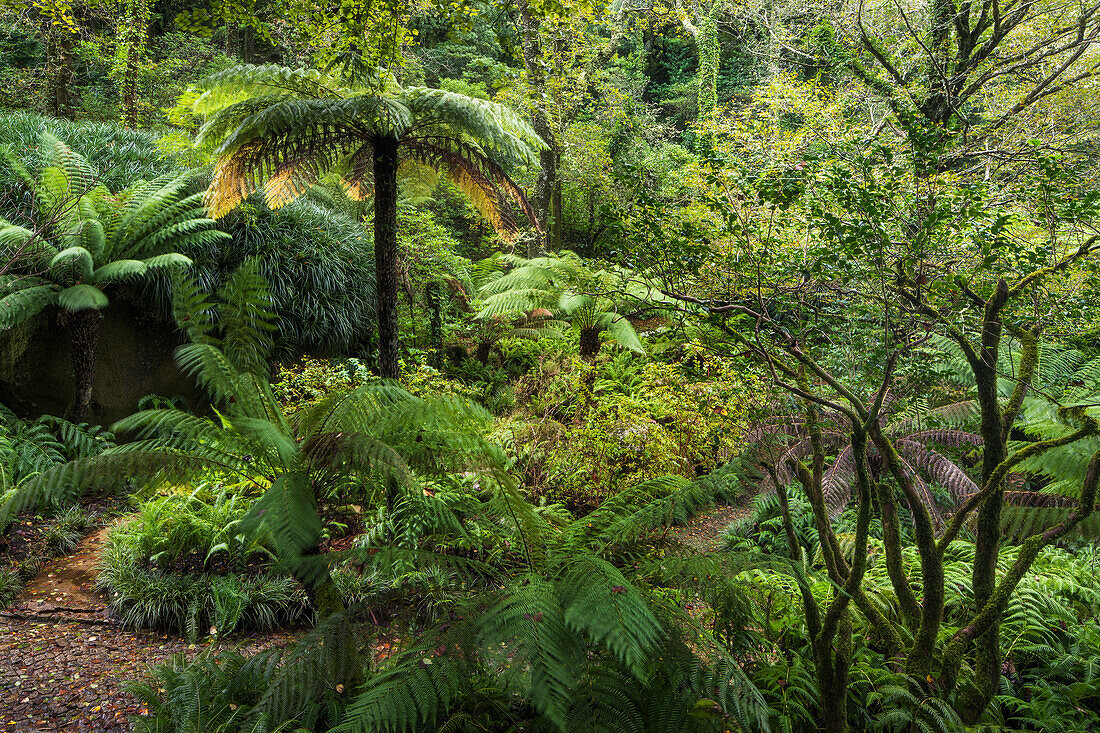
x=26 y=303
x=564 y=283
x=82 y=297
x=282 y=129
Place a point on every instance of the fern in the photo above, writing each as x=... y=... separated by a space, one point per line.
x=412 y=694
x=286 y=127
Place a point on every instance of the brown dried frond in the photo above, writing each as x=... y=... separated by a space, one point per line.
x=359 y=180
x=481 y=180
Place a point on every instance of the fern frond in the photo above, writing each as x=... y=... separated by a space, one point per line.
x=530 y=622
x=26 y=303
x=601 y=603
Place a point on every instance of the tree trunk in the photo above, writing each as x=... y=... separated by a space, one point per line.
x=707 y=42
x=83 y=345
x=324 y=596
x=385 y=254
x=833 y=659
x=132 y=36
x=484 y=349
x=590 y=342
x=547 y=198
x=59 y=70
x=432 y=298
x=987 y=658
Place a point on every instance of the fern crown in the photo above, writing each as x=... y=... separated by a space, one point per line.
x=283 y=129
x=86 y=239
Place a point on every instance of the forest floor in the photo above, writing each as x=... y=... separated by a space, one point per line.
x=64 y=661
x=704 y=532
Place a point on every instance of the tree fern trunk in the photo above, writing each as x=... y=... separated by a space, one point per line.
x=385 y=254
x=324 y=596
x=590 y=342
x=432 y=298
x=484 y=349
x=83 y=345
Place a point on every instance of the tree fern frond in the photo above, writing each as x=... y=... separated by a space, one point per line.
x=622 y=331
x=82 y=297
x=530 y=622
x=247 y=319
x=227 y=87
x=499 y=129
x=78 y=258
x=601 y=603
x=26 y=303
x=289 y=510
x=412 y=694
x=477 y=176
x=941 y=469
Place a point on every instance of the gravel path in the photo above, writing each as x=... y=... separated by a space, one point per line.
x=63 y=661
x=704 y=532
x=57 y=676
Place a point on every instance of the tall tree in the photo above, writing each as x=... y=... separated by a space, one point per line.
x=562 y=55
x=981 y=67
x=894 y=259
x=702 y=25
x=283 y=129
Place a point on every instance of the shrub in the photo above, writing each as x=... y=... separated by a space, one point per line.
x=10 y=585
x=193 y=528
x=317 y=261
x=309 y=380
x=121 y=155
x=584 y=430
x=191 y=604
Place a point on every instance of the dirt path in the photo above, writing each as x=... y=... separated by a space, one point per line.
x=69 y=676
x=63 y=661
x=704 y=532
x=65 y=586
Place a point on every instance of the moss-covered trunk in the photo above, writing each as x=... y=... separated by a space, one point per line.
x=83 y=345
x=590 y=342
x=385 y=254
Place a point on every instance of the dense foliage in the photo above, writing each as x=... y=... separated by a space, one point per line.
x=484 y=302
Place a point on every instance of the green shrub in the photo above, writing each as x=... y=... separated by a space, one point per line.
x=144 y=597
x=121 y=155
x=10 y=585
x=584 y=430
x=318 y=263
x=308 y=380
x=197 y=527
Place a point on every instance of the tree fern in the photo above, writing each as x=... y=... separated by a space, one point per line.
x=283 y=129
x=86 y=240
x=590 y=298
